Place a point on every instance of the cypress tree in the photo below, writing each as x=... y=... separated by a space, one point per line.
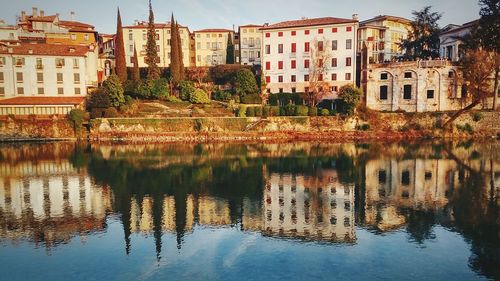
x=120 y=62
x=136 y=74
x=179 y=52
x=229 y=50
x=174 y=53
x=151 y=51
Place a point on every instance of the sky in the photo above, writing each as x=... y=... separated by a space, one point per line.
x=200 y=14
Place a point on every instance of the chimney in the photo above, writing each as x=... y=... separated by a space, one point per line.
x=30 y=51
x=23 y=16
x=10 y=50
x=355 y=16
x=72 y=16
x=35 y=12
x=42 y=13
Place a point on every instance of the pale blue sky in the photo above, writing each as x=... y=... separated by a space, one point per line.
x=199 y=14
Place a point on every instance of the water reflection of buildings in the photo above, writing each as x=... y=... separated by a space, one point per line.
x=49 y=202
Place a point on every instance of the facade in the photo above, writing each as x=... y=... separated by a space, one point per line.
x=290 y=48
x=250 y=44
x=414 y=86
x=137 y=35
x=450 y=40
x=106 y=62
x=381 y=37
x=211 y=46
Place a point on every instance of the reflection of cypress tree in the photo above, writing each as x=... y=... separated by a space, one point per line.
x=157 y=222
x=180 y=217
x=420 y=224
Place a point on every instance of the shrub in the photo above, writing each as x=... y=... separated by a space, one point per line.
x=199 y=97
x=97 y=112
x=111 y=113
x=251 y=99
x=363 y=127
x=301 y=110
x=222 y=95
x=186 y=89
x=265 y=111
x=223 y=74
x=283 y=99
x=258 y=111
x=333 y=112
x=349 y=97
x=274 y=111
x=312 y=111
x=77 y=116
x=152 y=89
x=290 y=110
x=113 y=88
x=244 y=83
x=98 y=99
x=467 y=128
x=172 y=98
x=242 y=111
x=476 y=116
x=324 y=112
x=250 y=111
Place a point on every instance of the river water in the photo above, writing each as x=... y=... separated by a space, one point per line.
x=289 y=211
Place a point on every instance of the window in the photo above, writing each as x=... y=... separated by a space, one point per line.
x=294 y=33
x=2 y=91
x=320 y=31
x=306 y=47
x=78 y=91
x=430 y=94
x=268 y=35
x=39 y=77
x=268 y=49
x=306 y=32
x=131 y=48
x=382 y=177
x=348 y=44
x=293 y=78
x=320 y=46
x=320 y=77
x=294 y=90
x=334 y=30
x=383 y=76
x=73 y=37
x=407 y=74
x=348 y=76
x=280 y=90
x=334 y=62
x=348 y=61
x=280 y=65
x=334 y=45
x=76 y=63
x=144 y=36
x=18 y=62
x=268 y=65
x=20 y=90
x=280 y=79
x=334 y=89
x=306 y=78
x=294 y=47
x=306 y=63
x=280 y=48
x=60 y=91
x=383 y=92
x=59 y=62
x=407 y=92
x=334 y=76
x=294 y=64
x=280 y=34
x=1 y=77
x=59 y=77
x=76 y=78
x=130 y=36
x=349 y=28
x=86 y=37
x=41 y=91
x=39 y=64
x=2 y=61
x=268 y=79
x=19 y=77
x=405 y=178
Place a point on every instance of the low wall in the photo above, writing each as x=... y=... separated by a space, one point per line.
x=30 y=129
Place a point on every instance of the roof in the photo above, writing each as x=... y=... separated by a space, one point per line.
x=42 y=101
x=44 y=18
x=45 y=50
x=386 y=17
x=460 y=27
x=209 y=30
x=144 y=25
x=308 y=22
x=251 y=25
x=76 y=26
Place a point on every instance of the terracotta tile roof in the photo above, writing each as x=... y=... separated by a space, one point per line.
x=44 y=19
x=45 y=50
x=308 y=22
x=76 y=26
x=43 y=101
x=213 y=30
x=144 y=25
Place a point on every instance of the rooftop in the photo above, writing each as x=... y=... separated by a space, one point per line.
x=42 y=101
x=209 y=30
x=386 y=17
x=44 y=50
x=308 y=22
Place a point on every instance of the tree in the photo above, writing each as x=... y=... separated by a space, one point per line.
x=136 y=73
x=244 y=83
x=197 y=74
x=179 y=52
x=199 y=96
x=151 y=49
x=120 y=62
x=423 y=39
x=477 y=66
x=229 y=50
x=176 y=62
x=349 y=97
x=318 y=69
x=113 y=88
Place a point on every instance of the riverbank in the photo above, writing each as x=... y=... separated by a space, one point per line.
x=365 y=126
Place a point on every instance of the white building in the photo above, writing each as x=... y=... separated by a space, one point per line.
x=137 y=35
x=211 y=46
x=44 y=71
x=288 y=48
x=450 y=40
x=250 y=44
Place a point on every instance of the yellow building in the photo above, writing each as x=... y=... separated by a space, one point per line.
x=381 y=36
x=211 y=46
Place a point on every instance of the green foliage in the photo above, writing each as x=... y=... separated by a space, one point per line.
x=466 y=128
x=282 y=99
x=265 y=111
x=242 y=111
x=224 y=74
x=324 y=112
x=258 y=111
x=301 y=110
x=250 y=111
x=98 y=99
x=113 y=88
x=176 y=62
x=199 y=97
x=251 y=99
x=244 y=83
x=363 y=127
x=187 y=89
x=152 y=89
x=349 y=97
x=476 y=116
x=229 y=50
x=222 y=95
x=77 y=116
x=274 y=111
x=423 y=39
x=312 y=111
x=111 y=113
x=120 y=62
x=289 y=110
x=172 y=98
x=151 y=50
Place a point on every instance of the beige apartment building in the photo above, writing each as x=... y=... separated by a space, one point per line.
x=381 y=37
x=250 y=44
x=211 y=46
